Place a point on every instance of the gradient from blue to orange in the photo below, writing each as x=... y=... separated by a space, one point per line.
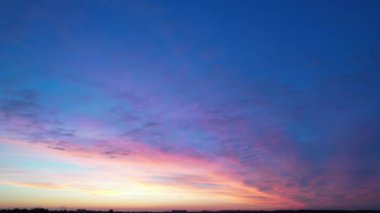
x=156 y=105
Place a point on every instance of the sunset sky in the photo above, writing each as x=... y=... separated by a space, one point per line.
x=201 y=104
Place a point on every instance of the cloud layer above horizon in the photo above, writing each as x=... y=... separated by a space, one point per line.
x=155 y=105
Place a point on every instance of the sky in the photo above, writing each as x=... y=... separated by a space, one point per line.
x=160 y=105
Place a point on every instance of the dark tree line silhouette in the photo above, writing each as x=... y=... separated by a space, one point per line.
x=43 y=210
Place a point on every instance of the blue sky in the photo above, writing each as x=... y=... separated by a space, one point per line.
x=277 y=100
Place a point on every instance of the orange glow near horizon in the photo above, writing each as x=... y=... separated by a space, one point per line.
x=149 y=180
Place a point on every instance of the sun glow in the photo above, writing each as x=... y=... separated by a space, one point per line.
x=121 y=182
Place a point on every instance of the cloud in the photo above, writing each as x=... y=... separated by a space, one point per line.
x=40 y=185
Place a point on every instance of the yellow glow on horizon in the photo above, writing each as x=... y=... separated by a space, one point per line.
x=91 y=180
